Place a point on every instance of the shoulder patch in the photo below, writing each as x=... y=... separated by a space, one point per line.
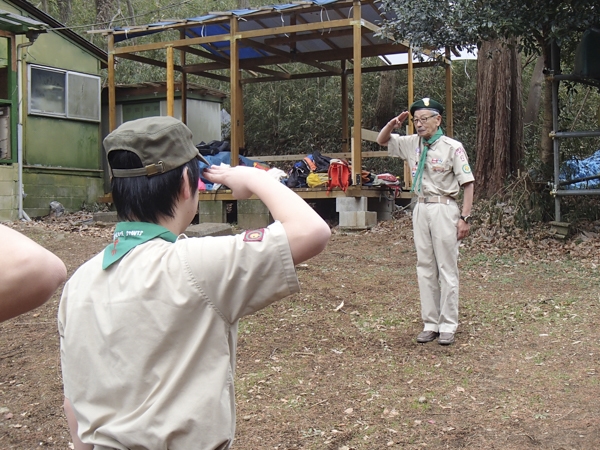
x=254 y=235
x=466 y=168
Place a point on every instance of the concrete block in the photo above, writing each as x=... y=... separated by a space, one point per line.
x=382 y=206
x=560 y=230
x=357 y=220
x=106 y=216
x=214 y=211
x=351 y=204
x=9 y=215
x=252 y=214
x=8 y=202
x=209 y=229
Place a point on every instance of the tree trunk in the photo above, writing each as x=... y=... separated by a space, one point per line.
x=131 y=12
x=546 y=144
x=64 y=11
x=534 y=98
x=104 y=12
x=499 y=117
x=384 y=110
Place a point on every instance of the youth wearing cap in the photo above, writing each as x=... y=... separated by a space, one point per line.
x=440 y=168
x=148 y=327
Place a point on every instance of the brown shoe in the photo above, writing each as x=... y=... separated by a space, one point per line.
x=427 y=336
x=446 y=338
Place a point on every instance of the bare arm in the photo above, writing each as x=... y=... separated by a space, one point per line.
x=30 y=274
x=72 y=421
x=306 y=231
x=463 y=227
x=386 y=132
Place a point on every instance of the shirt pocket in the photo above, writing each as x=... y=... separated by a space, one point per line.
x=438 y=166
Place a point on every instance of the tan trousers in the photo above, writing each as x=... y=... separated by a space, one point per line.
x=435 y=235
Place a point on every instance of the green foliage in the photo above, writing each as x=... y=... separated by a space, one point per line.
x=281 y=116
x=437 y=23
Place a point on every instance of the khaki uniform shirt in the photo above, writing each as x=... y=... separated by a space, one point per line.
x=447 y=166
x=148 y=346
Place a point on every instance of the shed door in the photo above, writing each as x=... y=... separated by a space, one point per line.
x=132 y=111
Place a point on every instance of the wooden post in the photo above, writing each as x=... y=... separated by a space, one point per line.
x=344 y=83
x=410 y=129
x=170 y=82
x=357 y=55
x=183 y=81
x=236 y=94
x=112 y=98
x=449 y=112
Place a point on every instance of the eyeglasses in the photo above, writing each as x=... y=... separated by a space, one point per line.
x=423 y=120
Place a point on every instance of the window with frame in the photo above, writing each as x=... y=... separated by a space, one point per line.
x=62 y=93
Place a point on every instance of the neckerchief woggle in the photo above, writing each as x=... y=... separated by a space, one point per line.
x=421 y=167
x=129 y=235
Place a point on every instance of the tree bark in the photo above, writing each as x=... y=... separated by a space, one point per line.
x=384 y=110
x=104 y=12
x=546 y=144
x=534 y=98
x=64 y=11
x=499 y=117
x=131 y=12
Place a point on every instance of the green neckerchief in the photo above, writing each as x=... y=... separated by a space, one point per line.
x=421 y=167
x=128 y=235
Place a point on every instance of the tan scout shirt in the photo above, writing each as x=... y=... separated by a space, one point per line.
x=148 y=346
x=447 y=167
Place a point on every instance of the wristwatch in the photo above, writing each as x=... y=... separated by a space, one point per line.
x=466 y=218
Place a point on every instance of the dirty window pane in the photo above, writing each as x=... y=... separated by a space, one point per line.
x=4 y=60
x=84 y=96
x=47 y=91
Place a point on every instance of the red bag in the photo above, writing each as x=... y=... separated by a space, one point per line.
x=338 y=174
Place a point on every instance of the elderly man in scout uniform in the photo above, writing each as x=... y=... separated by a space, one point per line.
x=148 y=327
x=439 y=168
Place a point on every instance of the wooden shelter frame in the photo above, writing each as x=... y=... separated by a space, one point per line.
x=344 y=20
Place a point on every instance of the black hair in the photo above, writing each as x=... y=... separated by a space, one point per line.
x=147 y=199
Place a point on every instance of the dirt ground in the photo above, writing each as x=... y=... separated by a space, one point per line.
x=337 y=366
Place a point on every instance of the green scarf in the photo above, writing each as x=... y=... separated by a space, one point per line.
x=421 y=167
x=128 y=235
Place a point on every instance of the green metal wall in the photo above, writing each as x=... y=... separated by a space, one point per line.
x=62 y=143
x=53 y=141
x=62 y=157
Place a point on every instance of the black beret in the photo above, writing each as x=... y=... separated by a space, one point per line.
x=426 y=103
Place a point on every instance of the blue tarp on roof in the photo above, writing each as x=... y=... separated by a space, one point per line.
x=208 y=28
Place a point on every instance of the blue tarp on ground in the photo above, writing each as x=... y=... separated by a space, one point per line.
x=574 y=169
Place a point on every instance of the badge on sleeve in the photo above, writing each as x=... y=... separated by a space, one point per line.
x=254 y=235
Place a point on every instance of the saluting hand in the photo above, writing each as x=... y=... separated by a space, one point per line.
x=399 y=120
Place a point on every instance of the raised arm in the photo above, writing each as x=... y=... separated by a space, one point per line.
x=30 y=274
x=386 y=132
x=306 y=231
